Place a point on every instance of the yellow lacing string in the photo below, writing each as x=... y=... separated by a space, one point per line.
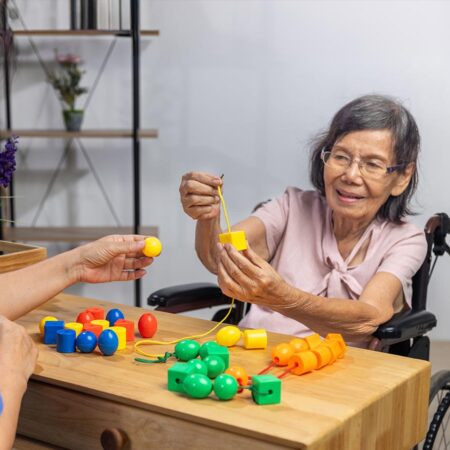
x=195 y=336
x=224 y=207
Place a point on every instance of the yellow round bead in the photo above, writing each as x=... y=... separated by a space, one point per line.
x=153 y=247
x=42 y=323
x=228 y=336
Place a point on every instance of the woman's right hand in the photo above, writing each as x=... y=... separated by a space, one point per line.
x=18 y=353
x=199 y=196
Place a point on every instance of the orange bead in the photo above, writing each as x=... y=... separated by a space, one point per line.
x=281 y=354
x=335 y=349
x=302 y=362
x=299 y=345
x=240 y=374
x=323 y=354
x=313 y=340
x=338 y=337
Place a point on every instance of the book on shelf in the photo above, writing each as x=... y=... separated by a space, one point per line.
x=100 y=14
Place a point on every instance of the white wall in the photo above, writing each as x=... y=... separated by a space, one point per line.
x=235 y=87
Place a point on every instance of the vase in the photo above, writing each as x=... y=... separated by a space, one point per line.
x=73 y=119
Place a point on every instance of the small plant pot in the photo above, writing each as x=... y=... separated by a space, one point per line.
x=73 y=119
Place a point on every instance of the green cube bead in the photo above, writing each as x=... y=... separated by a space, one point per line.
x=266 y=389
x=217 y=350
x=176 y=375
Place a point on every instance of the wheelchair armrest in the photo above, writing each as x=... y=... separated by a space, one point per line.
x=187 y=297
x=406 y=325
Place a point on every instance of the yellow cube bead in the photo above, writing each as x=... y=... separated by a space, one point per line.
x=235 y=238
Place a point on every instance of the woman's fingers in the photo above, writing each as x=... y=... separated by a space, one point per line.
x=244 y=264
x=227 y=284
x=236 y=265
x=136 y=263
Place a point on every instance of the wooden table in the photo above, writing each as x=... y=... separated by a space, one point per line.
x=366 y=401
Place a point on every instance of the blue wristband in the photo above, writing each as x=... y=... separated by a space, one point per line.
x=1 y=404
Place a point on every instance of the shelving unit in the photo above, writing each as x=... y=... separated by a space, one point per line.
x=135 y=133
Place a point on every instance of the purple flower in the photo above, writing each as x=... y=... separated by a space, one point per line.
x=8 y=161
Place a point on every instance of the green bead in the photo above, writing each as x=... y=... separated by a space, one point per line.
x=225 y=386
x=198 y=366
x=205 y=346
x=186 y=350
x=215 y=366
x=197 y=385
x=266 y=389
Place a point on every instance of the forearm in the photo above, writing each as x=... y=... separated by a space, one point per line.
x=12 y=395
x=25 y=289
x=206 y=238
x=355 y=320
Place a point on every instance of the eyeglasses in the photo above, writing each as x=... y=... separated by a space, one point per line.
x=369 y=168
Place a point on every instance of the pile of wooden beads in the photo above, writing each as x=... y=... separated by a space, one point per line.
x=197 y=378
x=302 y=355
x=92 y=328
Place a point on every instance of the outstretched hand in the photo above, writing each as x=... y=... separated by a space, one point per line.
x=248 y=277
x=112 y=258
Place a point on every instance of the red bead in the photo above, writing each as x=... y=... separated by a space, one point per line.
x=97 y=312
x=147 y=325
x=128 y=325
x=96 y=329
x=85 y=317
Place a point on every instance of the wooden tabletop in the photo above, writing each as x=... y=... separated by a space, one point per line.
x=367 y=400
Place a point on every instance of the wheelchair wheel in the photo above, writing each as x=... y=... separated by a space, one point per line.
x=438 y=435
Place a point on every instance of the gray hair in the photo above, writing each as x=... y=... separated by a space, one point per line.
x=373 y=112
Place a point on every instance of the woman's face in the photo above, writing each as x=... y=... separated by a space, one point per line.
x=353 y=196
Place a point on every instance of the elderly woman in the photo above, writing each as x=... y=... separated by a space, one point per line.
x=336 y=259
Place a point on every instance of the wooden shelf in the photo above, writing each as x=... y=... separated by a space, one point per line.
x=144 y=134
x=82 y=32
x=69 y=234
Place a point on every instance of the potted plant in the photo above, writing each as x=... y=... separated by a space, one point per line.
x=66 y=81
x=12 y=255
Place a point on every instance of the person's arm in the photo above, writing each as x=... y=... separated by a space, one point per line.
x=113 y=258
x=200 y=200
x=249 y=278
x=17 y=360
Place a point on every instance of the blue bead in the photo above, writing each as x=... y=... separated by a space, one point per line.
x=113 y=315
x=51 y=327
x=86 y=341
x=1 y=404
x=65 y=341
x=108 y=342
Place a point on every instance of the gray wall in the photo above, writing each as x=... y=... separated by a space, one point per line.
x=235 y=87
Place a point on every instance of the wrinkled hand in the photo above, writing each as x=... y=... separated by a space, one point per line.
x=18 y=353
x=112 y=258
x=198 y=195
x=248 y=277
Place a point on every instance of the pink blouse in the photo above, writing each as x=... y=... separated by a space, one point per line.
x=303 y=250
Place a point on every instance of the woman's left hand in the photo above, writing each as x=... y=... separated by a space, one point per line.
x=248 y=277
x=112 y=258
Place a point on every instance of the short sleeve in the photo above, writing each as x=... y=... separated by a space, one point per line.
x=404 y=259
x=274 y=215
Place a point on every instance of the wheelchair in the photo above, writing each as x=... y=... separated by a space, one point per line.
x=404 y=334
